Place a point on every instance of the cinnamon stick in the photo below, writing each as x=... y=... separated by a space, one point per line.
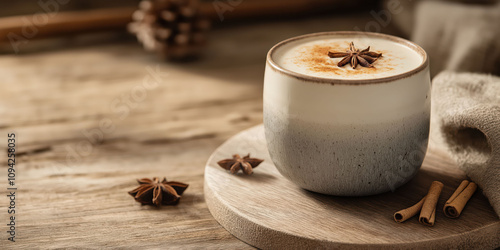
x=74 y=22
x=407 y=213
x=69 y=22
x=428 y=212
x=456 y=203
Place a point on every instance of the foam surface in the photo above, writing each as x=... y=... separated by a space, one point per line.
x=309 y=56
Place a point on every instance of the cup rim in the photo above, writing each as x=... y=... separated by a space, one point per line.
x=316 y=79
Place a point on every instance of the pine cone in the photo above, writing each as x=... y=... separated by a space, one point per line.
x=172 y=28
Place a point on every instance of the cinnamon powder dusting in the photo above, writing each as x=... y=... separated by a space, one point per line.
x=315 y=58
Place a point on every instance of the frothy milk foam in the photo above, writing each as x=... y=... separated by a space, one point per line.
x=346 y=138
x=310 y=57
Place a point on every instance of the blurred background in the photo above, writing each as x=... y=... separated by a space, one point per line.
x=100 y=93
x=69 y=64
x=459 y=35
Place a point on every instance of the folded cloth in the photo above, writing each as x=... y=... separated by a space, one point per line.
x=466 y=107
x=459 y=37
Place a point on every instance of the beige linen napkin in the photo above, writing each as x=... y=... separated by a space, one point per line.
x=467 y=109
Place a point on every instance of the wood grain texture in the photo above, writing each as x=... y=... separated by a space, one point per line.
x=268 y=211
x=80 y=200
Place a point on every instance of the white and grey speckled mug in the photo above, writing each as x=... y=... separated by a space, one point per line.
x=344 y=131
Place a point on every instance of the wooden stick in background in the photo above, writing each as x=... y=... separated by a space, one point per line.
x=65 y=23
x=258 y=9
x=74 y=22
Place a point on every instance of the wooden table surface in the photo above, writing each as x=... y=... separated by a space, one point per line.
x=90 y=120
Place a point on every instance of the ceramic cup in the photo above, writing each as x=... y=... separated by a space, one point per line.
x=344 y=131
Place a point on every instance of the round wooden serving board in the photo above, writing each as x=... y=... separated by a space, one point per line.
x=266 y=210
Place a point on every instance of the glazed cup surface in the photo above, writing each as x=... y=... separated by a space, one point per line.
x=342 y=136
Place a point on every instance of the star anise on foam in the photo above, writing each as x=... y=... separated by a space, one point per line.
x=364 y=57
x=245 y=164
x=156 y=192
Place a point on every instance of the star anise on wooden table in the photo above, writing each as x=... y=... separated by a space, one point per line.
x=156 y=192
x=245 y=164
x=354 y=56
